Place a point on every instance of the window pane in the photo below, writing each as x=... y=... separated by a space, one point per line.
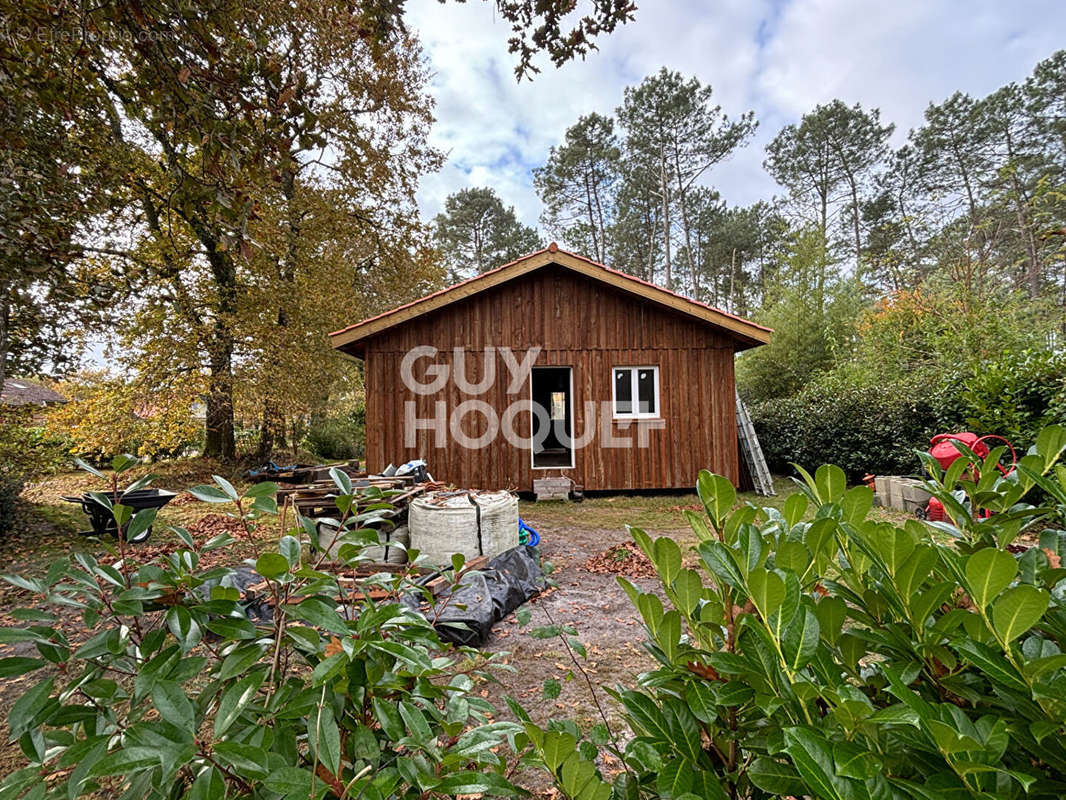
x=623 y=392
x=646 y=391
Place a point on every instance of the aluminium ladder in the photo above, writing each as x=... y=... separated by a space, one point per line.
x=752 y=450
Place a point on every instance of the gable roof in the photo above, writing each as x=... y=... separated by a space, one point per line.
x=21 y=392
x=748 y=333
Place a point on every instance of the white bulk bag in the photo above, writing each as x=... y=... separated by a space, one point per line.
x=443 y=523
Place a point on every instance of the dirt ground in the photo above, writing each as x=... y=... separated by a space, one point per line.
x=571 y=533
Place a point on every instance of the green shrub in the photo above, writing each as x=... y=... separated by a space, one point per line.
x=1017 y=395
x=828 y=655
x=859 y=427
x=26 y=450
x=178 y=693
x=337 y=437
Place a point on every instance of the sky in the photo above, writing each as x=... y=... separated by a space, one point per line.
x=778 y=58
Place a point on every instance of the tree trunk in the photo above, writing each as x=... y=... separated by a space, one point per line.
x=683 y=206
x=596 y=252
x=599 y=217
x=5 y=319
x=271 y=431
x=733 y=282
x=666 y=217
x=219 y=440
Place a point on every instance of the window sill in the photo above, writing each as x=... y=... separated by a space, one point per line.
x=627 y=420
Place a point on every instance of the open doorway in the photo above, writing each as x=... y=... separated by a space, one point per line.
x=552 y=392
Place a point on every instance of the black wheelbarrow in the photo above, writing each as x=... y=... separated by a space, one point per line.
x=103 y=521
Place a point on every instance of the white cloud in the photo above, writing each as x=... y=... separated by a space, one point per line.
x=776 y=58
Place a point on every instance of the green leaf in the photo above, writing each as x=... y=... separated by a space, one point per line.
x=831 y=612
x=121 y=463
x=319 y=613
x=1050 y=444
x=184 y=627
x=776 y=777
x=289 y=546
x=666 y=556
x=853 y=761
x=719 y=559
x=248 y=760
x=749 y=548
x=342 y=480
x=232 y=628
x=767 y=591
x=688 y=590
x=1017 y=610
x=792 y=556
x=669 y=634
x=240 y=660
x=27 y=710
x=19 y=665
x=126 y=760
x=897 y=714
x=141 y=522
x=263 y=489
x=989 y=572
x=734 y=694
x=801 y=639
x=88 y=468
x=813 y=759
x=915 y=569
x=236 y=698
x=291 y=782
x=701 y=701
x=551 y=689
x=830 y=483
x=794 y=509
x=557 y=747
x=579 y=780
x=820 y=536
x=327 y=739
x=226 y=487
x=717 y=495
x=328 y=668
x=465 y=783
x=388 y=717
x=856 y=503
x=272 y=565
x=209 y=494
x=173 y=705
x=675 y=779
x=990 y=662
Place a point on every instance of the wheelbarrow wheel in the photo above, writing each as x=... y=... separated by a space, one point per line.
x=141 y=537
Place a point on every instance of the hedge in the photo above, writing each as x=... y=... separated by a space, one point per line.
x=861 y=428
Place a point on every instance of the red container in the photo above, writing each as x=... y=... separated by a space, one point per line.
x=944 y=451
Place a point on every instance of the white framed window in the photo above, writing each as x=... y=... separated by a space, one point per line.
x=635 y=392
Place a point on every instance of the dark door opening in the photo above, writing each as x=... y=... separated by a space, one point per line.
x=553 y=417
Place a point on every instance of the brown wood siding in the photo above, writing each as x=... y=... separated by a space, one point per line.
x=581 y=324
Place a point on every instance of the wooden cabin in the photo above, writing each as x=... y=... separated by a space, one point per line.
x=499 y=380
